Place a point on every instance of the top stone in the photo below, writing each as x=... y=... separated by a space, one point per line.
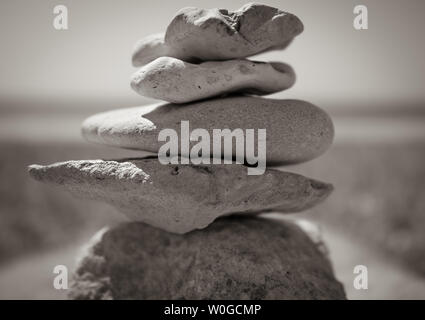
x=218 y=34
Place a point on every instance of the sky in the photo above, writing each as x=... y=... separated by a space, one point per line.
x=335 y=64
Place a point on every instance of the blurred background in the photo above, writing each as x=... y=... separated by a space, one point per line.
x=372 y=83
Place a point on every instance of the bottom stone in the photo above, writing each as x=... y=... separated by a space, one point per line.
x=234 y=258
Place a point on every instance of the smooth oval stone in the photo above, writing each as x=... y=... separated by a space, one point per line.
x=245 y=258
x=181 y=198
x=218 y=34
x=297 y=131
x=176 y=81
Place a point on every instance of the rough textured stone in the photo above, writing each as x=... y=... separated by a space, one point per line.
x=181 y=198
x=297 y=131
x=218 y=34
x=176 y=81
x=246 y=258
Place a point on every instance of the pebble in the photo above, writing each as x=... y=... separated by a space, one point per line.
x=218 y=34
x=176 y=81
x=296 y=130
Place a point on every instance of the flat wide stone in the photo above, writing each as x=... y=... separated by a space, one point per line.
x=181 y=198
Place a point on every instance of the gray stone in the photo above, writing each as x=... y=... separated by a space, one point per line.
x=181 y=198
x=297 y=131
x=218 y=34
x=244 y=258
x=176 y=81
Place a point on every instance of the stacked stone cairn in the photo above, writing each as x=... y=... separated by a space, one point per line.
x=176 y=245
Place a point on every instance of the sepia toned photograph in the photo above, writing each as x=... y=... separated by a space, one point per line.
x=212 y=150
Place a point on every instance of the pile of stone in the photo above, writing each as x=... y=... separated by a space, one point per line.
x=198 y=66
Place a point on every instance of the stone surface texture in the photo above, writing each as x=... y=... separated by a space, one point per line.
x=297 y=131
x=181 y=198
x=218 y=34
x=246 y=258
x=176 y=81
